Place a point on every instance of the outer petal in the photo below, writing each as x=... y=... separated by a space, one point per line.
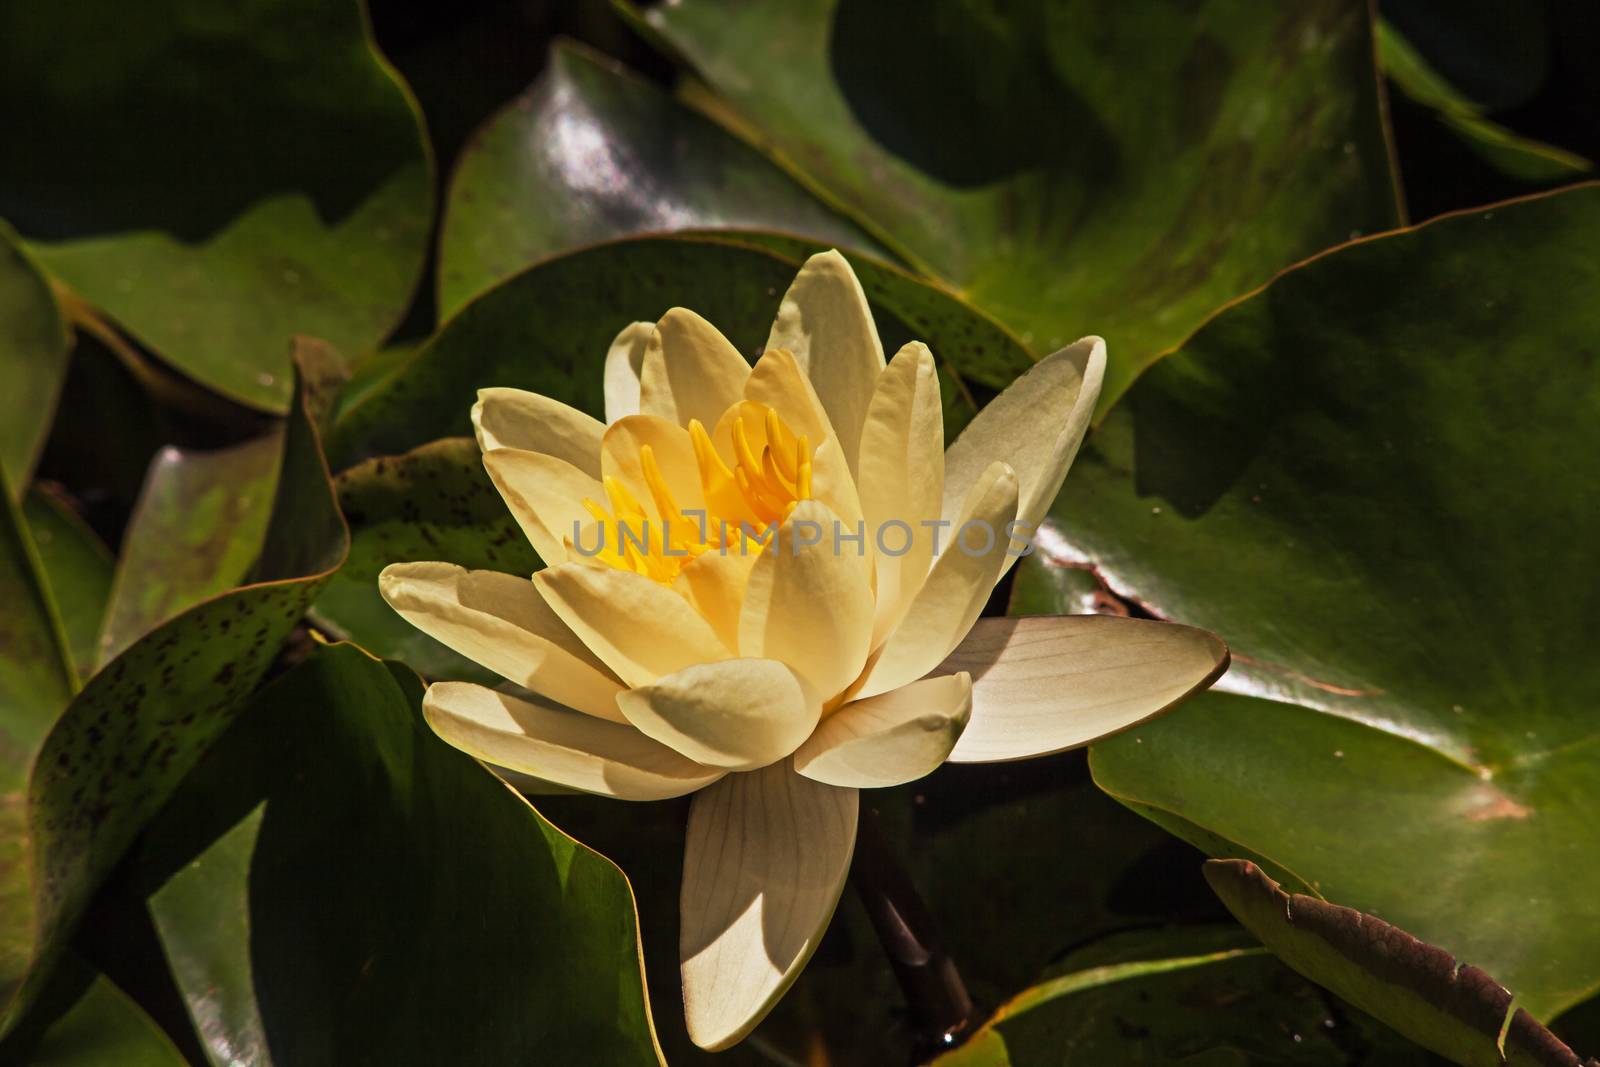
x=739 y=714
x=890 y=739
x=956 y=590
x=765 y=859
x=516 y=418
x=690 y=370
x=901 y=473
x=560 y=746
x=810 y=605
x=1054 y=682
x=639 y=628
x=623 y=364
x=498 y=620
x=1036 y=426
x=545 y=495
x=825 y=321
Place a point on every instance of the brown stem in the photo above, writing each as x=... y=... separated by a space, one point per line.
x=938 y=998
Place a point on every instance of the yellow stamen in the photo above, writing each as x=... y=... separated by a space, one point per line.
x=665 y=505
x=778 y=440
x=763 y=489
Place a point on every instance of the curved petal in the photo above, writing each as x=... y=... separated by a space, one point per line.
x=674 y=454
x=624 y=360
x=739 y=714
x=825 y=321
x=764 y=861
x=690 y=370
x=545 y=495
x=559 y=746
x=714 y=584
x=639 y=628
x=500 y=621
x=890 y=739
x=779 y=381
x=901 y=474
x=516 y=418
x=1036 y=426
x=809 y=602
x=1046 y=684
x=956 y=588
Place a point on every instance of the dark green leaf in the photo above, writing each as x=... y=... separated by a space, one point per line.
x=593 y=152
x=434 y=503
x=1456 y=1010
x=36 y=682
x=217 y=179
x=388 y=901
x=1518 y=157
x=34 y=342
x=116 y=753
x=1204 y=995
x=77 y=566
x=548 y=329
x=1066 y=167
x=195 y=531
x=1375 y=480
x=100 y=1026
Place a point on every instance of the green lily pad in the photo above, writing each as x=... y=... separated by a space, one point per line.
x=548 y=329
x=433 y=503
x=1453 y=1009
x=1068 y=168
x=195 y=532
x=388 y=901
x=592 y=152
x=1375 y=480
x=77 y=566
x=217 y=179
x=85 y=789
x=34 y=342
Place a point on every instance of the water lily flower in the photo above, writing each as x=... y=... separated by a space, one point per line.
x=775 y=681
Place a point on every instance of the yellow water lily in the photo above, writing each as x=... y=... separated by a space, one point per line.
x=665 y=650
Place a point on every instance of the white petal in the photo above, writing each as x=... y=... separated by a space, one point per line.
x=1036 y=426
x=500 y=621
x=690 y=370
x=516 y=418
x=765 y=859
x=956 y=589
x=889 y=739
x=623 y=364
x=810 y=605
x=738 y=714
x=902 y=478
x=639 y=628
x=560 y=746
x=1046 y=684
x=825 y=321
x=545 y=495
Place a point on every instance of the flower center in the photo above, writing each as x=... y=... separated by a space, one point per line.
x=740 y=502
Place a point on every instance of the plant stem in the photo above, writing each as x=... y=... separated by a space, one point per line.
x=940 y=1005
